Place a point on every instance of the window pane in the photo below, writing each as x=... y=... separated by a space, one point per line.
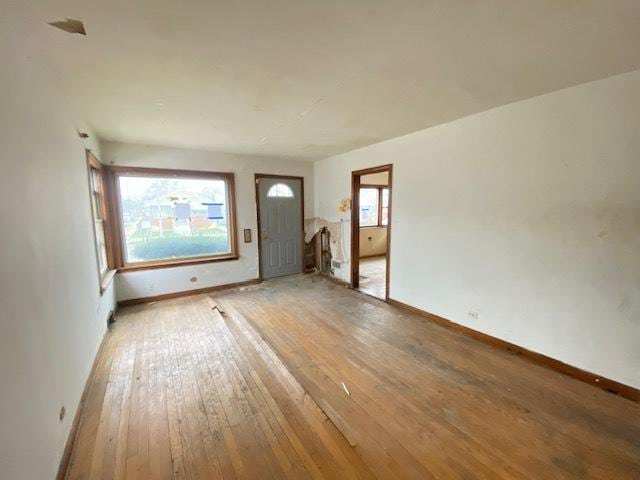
x=95 y=183
x=102 y=248
x=385 y=207
x=171 y=218
x=95 y=204
x=95 y=193
x=95 y=180
x=280 y=190
x=368 y=207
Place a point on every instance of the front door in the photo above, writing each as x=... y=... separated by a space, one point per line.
x=280 y=224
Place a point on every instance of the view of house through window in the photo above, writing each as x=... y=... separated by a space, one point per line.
x=167 y=218
x=374 y=206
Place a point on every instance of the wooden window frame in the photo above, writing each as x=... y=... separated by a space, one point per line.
x=380 y=188
x=104 y=278
x=118 y=235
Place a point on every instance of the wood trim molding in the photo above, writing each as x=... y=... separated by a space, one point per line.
x=175 y=263
x=370 y=170
x=114 y=210
x=167 y=172
x=375 y=255
x=366 y=227
x=65 y=460
x=355 y=230
x=186 y=293
x=273 y=175
x=107 y=218
x=598 y=381
x=107 y=279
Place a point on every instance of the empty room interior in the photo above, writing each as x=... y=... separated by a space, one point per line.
x=355 y=239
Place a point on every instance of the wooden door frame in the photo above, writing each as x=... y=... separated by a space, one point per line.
x=355 y=224
x=256 y=182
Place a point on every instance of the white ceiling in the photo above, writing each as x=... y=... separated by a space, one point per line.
x=306 y=79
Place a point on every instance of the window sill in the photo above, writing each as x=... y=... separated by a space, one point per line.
x=176 y=263
x=373 y=226
x=106 y=280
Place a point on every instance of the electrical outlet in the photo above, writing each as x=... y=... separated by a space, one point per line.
x=473 y=315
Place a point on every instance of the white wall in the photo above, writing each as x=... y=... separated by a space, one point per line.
x=145 y=283
x=380 y=178
x=528 y=214
x=52 y=315
x=373 y=241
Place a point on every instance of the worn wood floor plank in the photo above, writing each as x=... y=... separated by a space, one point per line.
x=459 y=408
x=294 y=409
x=179 y=393
x=182 y=392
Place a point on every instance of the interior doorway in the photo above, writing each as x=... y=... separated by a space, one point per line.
x=371 y=230
x=280 y=202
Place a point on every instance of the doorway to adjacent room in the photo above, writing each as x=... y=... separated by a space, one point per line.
x=371 y=230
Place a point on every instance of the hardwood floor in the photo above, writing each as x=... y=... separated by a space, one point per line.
x=373 y=276
x=182 y=392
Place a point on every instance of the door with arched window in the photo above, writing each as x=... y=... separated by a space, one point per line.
x=280 y=220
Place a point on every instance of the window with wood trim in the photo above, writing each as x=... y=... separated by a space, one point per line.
x=384 y=206
x=374 y=206
x=169 y=217
x=100 y=214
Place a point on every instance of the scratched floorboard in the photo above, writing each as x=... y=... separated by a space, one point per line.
x=181 y=392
